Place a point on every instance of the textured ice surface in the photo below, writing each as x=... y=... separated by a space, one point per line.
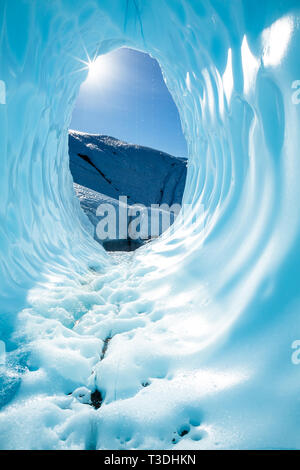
x=193 y=332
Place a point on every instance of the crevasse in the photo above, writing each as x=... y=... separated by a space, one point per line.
x=189 y=341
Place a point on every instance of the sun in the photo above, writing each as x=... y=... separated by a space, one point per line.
x=101 y=70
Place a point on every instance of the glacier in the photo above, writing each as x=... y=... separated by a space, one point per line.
x=115 y=168
x=188 y=342
x=106 y=170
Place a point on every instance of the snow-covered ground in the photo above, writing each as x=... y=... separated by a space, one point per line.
x=100 y=334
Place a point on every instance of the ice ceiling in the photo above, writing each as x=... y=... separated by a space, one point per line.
x=196 y=328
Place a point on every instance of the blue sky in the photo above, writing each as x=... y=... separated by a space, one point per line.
x=125 y=97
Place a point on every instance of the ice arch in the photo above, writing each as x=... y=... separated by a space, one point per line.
x=224 y=289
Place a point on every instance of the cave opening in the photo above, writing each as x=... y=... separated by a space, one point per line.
x=127 y=150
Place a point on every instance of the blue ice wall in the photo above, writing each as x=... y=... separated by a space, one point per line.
x=224 y=288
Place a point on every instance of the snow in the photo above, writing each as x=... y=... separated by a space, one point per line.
x=104 y=168
x=90 y=201
x=187 y=341
x=115 y=168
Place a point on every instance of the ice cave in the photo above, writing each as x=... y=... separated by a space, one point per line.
x=193 y=342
